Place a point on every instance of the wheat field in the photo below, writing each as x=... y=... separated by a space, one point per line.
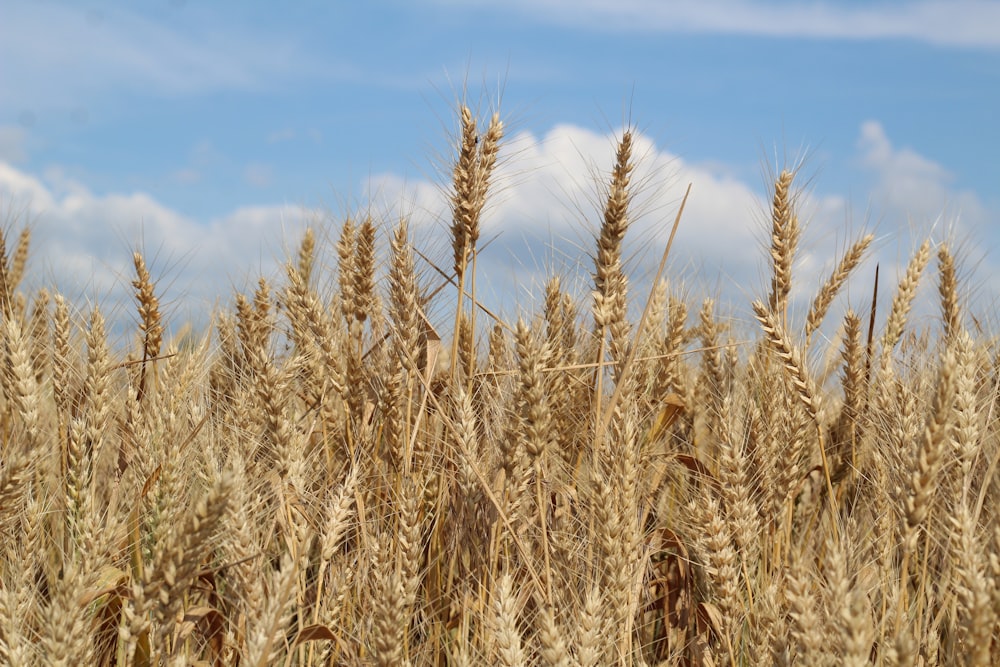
x=325 y=478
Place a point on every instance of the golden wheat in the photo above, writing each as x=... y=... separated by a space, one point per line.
x=319 y=480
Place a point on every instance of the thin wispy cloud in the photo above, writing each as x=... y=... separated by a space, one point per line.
x=186 y=176
x=284 y=134
x=258 y=175
x=66 y=53
x=964 y=23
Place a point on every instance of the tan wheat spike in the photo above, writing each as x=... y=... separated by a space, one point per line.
x=317 y=324
x=346 y=245
x=555 y=652
x=16 y=471
x=488 y=153
x=6 y=289
x=924 y=480
x=66 y=638
x=784 y=239
x=465 y=221
x=389 y=613
x=976 y=612
x=626 y=366
x=150 y=324
x=535 y=414
x=97 y=383
x=807 y=627
x=790 y=356
x=363 y=268
x=404 y=297
x=265 y=637
x=609 y=281
x=712 y=380
x=12 y=270
x=176 y=568
x=38 y=329
x=722 y=560
x=966 y=437
x=591 y=627
x=849 y=426
x=610 y=285
x=503 y=620
x=20 y=259
x=307 y=255
x=149 y=309
x=805 y=387
x=18 y=647
x=903 y=300
x=948 y=289
x=470 y=185
x=833 y=284
x=737 y=488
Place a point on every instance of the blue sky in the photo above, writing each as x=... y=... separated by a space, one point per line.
x=210 y=133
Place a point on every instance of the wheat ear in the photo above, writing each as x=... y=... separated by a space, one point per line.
x=903 y=300
x=833 y=284
x=805 y=387
x=948 y=289
x=784 y=240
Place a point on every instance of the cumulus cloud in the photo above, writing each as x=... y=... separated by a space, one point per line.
x=545 y=214
x=917 y=197
x=966 y=23
x=547 y=206
x=549 y=192
x=82 y=243
x=910 y=183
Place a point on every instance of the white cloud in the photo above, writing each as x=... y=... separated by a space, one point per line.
x=547 y=203
x=22 y=189
x=916 y=197
x=549 y=193
x=82 y=243
x=546 y=209
x=911 y=184
x=967 y=23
